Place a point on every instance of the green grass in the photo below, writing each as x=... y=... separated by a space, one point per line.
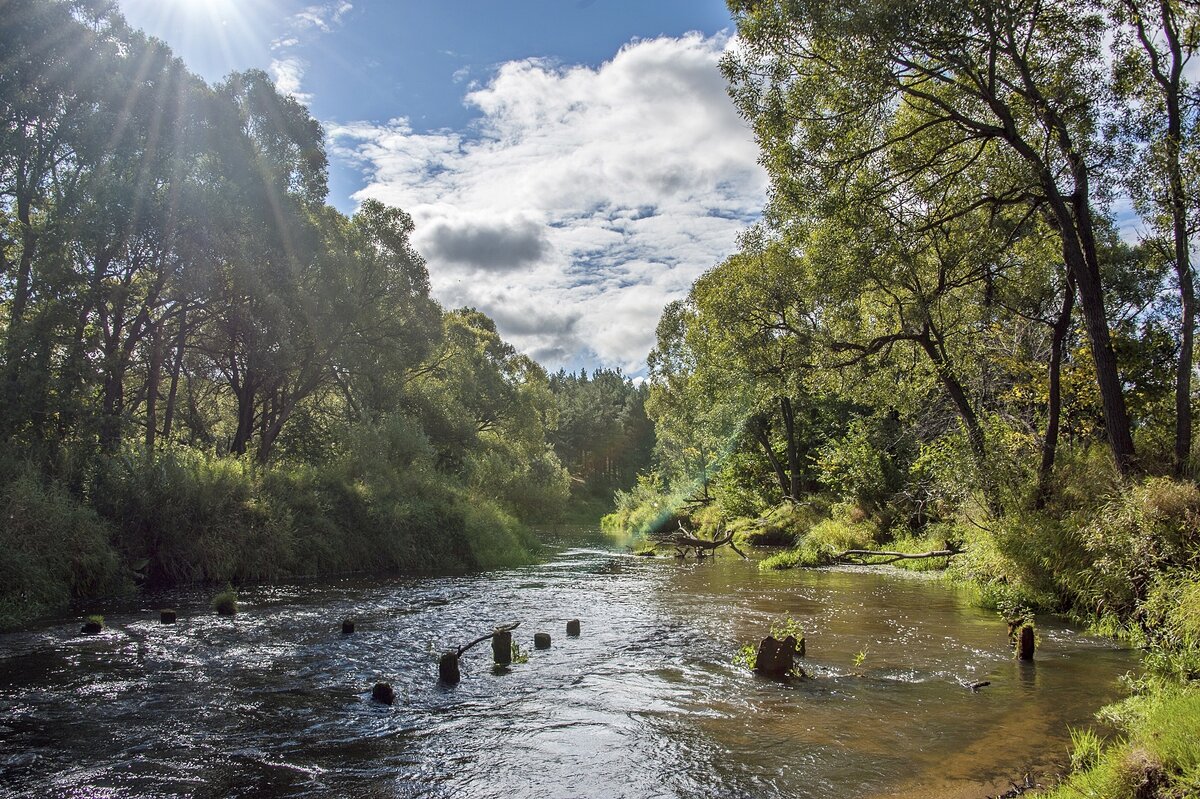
x=225 y=603
x=1157 y=757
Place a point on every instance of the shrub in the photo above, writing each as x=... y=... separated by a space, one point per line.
x=52 y=550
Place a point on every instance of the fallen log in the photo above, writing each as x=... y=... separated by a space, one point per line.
x=684 y=539
x=892 y=557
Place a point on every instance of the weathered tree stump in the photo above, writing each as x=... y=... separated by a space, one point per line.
x=573 y=628
x=1025 y=643
x=502 y=647
x=777 y=658
x=541 y=640
x=91 y=627
x=383 y=693
x=347 y=626
x=448 y=668
x=166 y=616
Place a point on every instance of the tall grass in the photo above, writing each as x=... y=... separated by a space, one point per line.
x=183 y=516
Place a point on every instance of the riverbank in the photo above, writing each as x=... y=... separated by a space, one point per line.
x=1122 y=557
x=185 y=517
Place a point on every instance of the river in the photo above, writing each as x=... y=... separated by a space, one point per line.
x=646 y=702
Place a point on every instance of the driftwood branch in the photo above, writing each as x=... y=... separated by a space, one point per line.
x=684 y=538
x=503 y=628
x=892 y=557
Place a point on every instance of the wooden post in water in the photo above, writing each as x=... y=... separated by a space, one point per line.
x=347 y=626
x=541 y=640
x=383 y=693
x=448 y=668
x=1025 y=643
x=448 y=662
x=573 y=628
x=166 y=616
x=502 y=647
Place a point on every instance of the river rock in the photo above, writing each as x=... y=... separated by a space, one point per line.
x=448 y=668
x=541 y=640
x=573 y=628
x=502 y=647
x=383 y=693
x=166 y=616
x=776 y=658
x=347 y=626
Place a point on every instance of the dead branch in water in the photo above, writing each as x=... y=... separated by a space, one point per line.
x=503 y=628
x=684 y=539
x=892 y=557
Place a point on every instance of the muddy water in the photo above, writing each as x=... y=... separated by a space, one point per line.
x=646 y=703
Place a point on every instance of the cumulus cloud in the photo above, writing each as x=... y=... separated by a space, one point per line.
x=586 y=195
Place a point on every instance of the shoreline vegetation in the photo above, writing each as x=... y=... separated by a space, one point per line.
x=209 y=374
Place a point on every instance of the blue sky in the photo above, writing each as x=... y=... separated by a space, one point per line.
x=572 y=165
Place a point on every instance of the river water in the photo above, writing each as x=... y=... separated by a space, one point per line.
x=645 y=703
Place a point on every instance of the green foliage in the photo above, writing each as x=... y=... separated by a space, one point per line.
x=52 y=549
x=643 y=509
x=96 y=618
x=225 y=602
x=853 y=467
x=1158 y=755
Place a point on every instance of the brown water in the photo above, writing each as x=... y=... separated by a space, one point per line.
x=646 y=703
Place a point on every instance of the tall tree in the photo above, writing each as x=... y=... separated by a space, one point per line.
x=1020 y=81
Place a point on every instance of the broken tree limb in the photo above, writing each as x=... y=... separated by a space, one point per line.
x=448 y=663
x=892 y=557
x=684 y=539
x=503 y=628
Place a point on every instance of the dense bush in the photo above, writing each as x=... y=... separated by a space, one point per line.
x=185 y=516
x=52 y=549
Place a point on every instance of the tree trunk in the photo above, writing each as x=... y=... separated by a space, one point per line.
x=1062 y=327
x=762 y=436
x=176 y=370
x=793 y=449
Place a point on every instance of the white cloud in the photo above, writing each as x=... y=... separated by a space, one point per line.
x=581 y=201
x=288 y=73
x=287 y=67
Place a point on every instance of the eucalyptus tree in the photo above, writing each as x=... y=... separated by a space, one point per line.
x=753 y=337
x=1163 y=117
x=834 y=89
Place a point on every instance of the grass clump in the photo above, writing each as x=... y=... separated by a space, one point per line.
x=824 y=541
x=1157 y=757
x=225 y=603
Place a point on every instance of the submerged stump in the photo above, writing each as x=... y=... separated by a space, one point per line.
x=166 y=616
x=383 y=693
x=1025 y=643
x=573 y=628
x=347 y=626
x=91 y=627
x=448 y=668
x=777 y=658
x=502 y=647
x=541 y=640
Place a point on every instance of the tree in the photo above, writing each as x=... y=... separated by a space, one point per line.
x=1018 y=81
x=1163 y=118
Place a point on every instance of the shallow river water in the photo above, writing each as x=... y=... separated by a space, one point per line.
x=645 y=703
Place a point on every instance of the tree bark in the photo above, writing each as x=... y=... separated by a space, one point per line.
x=1062 y=326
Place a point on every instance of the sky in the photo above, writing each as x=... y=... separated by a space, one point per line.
x=571 y=165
